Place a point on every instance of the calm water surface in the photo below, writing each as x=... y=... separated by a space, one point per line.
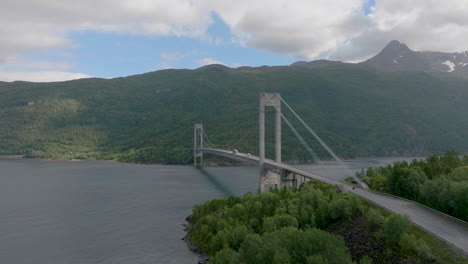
x=107 y=212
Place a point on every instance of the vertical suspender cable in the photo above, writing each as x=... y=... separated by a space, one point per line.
x=321 y=142
x=301 y=139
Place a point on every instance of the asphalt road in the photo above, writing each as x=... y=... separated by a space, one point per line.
x=444 y=227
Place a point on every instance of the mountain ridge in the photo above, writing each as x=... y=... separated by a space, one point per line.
x=394 y=57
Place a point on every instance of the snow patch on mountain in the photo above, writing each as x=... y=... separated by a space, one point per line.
x=450 y=64
x=396 y=56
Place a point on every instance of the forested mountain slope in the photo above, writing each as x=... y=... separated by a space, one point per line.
x=358 y=110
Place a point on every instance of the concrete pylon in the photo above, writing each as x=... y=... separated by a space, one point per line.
x=274 y=100
x=197 y=143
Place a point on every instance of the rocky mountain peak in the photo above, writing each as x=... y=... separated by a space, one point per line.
x=396 y=56
x=395 y=47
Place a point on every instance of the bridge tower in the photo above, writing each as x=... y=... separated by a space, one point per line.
x=268 y=177
x=197 y=143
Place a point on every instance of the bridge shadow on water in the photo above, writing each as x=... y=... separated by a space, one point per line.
x=223 y=188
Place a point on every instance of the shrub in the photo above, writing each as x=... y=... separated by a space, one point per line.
x=365 y=260
x=410 y=244
x=226 y=256
x=276 y=222
x=374 y=218
x=394 y=228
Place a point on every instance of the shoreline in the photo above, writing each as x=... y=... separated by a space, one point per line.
x=12 y=157
x=201 y=253
x=216 y=163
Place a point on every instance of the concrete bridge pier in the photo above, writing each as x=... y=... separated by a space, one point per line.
x=271 y=179
x=268 y=177
x=275 y=178
x=291 y=179
x=197 y=143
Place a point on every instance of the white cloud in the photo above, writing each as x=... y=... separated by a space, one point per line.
x=335 y=29
x=22 y=69
x=424 y=24
x=303 y=28
x=41 y=76
x=12 y=62
x=359 y=48
x=208 y=61
x=164 y=65
x=171 y=58
x=28 y=25
x=421 y=24
x=176 y=56
x=339 y=29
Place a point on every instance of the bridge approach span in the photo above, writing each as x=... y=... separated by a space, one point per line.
x=254 y=160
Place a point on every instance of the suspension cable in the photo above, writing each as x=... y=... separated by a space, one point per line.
x=296 y=133
x=328 y=149
x=312 y=132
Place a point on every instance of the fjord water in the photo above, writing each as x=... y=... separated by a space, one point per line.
x=108 y=212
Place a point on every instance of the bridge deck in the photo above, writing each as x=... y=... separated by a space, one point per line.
x=453 y=231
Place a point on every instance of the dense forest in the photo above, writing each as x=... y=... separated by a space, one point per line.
x=438 y=182
x=299 y=226
x=357 y=110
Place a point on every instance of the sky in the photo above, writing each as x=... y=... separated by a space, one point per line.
x=56 y=40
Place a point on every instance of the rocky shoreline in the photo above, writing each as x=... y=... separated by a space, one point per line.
x=202 y=256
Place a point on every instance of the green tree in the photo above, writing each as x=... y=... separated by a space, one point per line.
x=433 y=168
x=316 y=259
x=281 y=257
x=374 y=218
x=226 y=256
x=219 y=241
x=465 y=160
x=450 y=161
x=459 y=174
x=447 y=196
x=394 y=228
x=409 y=243
x=345 y=207
x=298 y=245
x=276 y=222
x=237 y=235
x=250 y=248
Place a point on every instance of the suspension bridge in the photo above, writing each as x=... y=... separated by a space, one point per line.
x=273 y=173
